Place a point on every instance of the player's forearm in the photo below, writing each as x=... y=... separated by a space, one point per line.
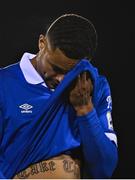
x=100 y=153
x=2 y=176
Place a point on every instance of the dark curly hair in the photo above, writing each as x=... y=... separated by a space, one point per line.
x=74 y=35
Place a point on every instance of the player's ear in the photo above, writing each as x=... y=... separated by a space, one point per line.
x=42 y=43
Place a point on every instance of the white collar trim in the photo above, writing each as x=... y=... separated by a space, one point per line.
x=29 y=72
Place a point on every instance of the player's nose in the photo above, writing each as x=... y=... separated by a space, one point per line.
x=59 y=77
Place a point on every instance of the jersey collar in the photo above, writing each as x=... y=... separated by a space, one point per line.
x=29 y=72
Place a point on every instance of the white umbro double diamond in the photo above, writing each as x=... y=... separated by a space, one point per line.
x=26 y=108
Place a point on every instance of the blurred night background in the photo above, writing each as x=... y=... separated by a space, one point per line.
x=21 y=23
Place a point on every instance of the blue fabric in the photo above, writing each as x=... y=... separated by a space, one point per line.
x=99 y=152
x=52 y=131
x=2 y=176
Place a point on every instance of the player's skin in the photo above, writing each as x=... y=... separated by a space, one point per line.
x=52 y=65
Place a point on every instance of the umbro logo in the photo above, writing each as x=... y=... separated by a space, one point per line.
x=26 y=108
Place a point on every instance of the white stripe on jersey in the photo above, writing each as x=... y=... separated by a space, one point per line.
x=112 y=137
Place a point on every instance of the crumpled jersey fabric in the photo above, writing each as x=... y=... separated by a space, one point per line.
x=48 y=136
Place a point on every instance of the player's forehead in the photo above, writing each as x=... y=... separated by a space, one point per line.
x=57 y=58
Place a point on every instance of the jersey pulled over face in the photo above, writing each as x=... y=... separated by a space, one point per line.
x=52 y=64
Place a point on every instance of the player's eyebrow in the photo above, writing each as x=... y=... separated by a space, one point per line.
x=58 y=69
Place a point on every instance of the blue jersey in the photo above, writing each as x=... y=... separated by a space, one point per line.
x=37 y=123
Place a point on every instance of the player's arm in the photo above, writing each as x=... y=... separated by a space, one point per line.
x=1 y=127
x=1 y=134
x=96 y=133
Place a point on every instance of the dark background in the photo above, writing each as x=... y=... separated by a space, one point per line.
x=21 y=23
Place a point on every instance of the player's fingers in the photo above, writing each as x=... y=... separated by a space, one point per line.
x=90 y=86
x=79 y=83
x=83 y=81
x=84 y=76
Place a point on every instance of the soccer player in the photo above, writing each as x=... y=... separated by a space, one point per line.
x=55 y=108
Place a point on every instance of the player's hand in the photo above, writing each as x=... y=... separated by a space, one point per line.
x=80 y=94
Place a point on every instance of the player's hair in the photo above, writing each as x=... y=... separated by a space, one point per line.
x=74 y=35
